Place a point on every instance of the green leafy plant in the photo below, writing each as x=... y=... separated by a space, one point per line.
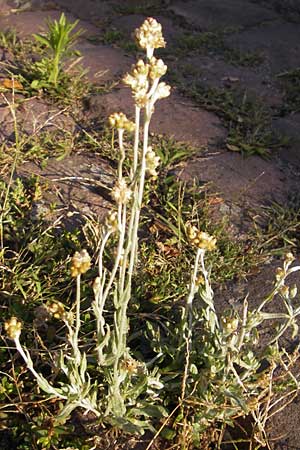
x=247 y=120
x=58 y=41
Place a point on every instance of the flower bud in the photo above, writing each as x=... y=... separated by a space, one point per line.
x=284 y=291
x=121 y=193
x=289 y=258
x=200 y=239
x=229 y=324
x=13 y=328
x=57 y=310
x=120 y=121
x=111 y=221
x=152 y=162
x=163 y=90
x=81 y=262
x=157 y=68
x=279 y=274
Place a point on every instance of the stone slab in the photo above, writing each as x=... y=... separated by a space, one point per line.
x=173 y=116
x=88 y=9
x=29 y=22
x=128 y=23
x=216 y=14
x=216 y=73
x=104 y=63
x=289 y=126
x=278 y=42
x=248 y=181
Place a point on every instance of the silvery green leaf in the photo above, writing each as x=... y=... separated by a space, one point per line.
x=83 y=366
x=65 y=413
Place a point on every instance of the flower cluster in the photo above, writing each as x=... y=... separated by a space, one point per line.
x=121 y=193
x=144 y=76
x=149 y=35
x=120 y=121
x=152 y=162
x=81 y=262
x=57 y=310
x=139 y=83
x=157 y=68
x=200 y=239
x=13 y=328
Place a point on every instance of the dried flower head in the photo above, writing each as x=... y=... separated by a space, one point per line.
x=111 y=221
x=121 y=193
x=149 y=35
x=120 y=121
x=81 y=262
x=200 y=239
x=13 y=328
x=131 y=366
x=152 y=162
x=56 y=309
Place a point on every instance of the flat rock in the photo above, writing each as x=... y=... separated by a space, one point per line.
x=88 y=9
x=103 y=62
x=78 y=179
x=33 y=116
x=217 y=73
x=278 y=42
x=289 y=126
x=249 y=181
x=29 y=22
x=128 y=23
x=216 y=14
x=173 y=116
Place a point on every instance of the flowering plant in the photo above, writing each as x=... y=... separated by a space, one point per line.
x=126 y=378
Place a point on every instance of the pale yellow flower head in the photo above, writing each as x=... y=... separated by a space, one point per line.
x=152 y=162
x=149 y=35
x=120 y=121
x=137 y=79
x=139 y=82
x=111 y=221
x=200 y=239
x=163 y=90
x=157 y=68
x=81 y=262
x=13 y=328
x=56 y=309
x=121 y=193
